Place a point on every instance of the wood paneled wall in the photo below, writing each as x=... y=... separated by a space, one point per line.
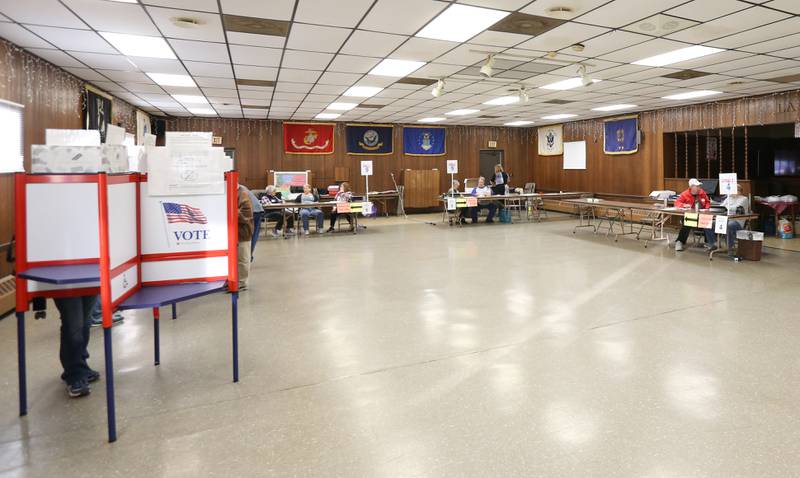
x=259 y=148
x=643 y=172
x=52 y=98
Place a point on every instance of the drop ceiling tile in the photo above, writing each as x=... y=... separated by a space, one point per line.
x=221 y=92
x=493 y=38
x=352 y=64
x=142 y=88
x=734 y=65
x=275 y=9
x=385 y=16
x=772 y=31
x=109 y=86
x=643 y=50
x=216 y=70
x=706 y=10
x=562 y=36
x=306 y=60
x=785 y=5
x=507 y=5
x=76 y=40
x=578 y=7
x=622 y=12
x=422 y=49
x=324 y=12
x=113 y=16
x=208 y=29
x=200 y=51
x=788 y=52
x=293 y=87
x=126 y=76
x=159 y=65
x=324 y=98
x=316 y=37
x=462 y=55
x=56 y=57
x=199 y=5
x=255 y=56
x=770 y=70
x=716 y=58
x=86 y=74
x=255 y=72
x=253 y=95
x=41 y=12
x=99 y=60
x=436 y=70
x=214 y=82
x=364 y=43
x=282 y=95
x=728 y=25
x=298 y=76
x=333 y=78
x=252 y=39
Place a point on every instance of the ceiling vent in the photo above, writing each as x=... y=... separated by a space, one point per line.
x=186 y=22
x=686 y=75
x=256 y=26
x=525 y=24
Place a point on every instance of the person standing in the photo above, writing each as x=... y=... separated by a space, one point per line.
x=245 y=236
x=500 y=180
x=258 y=215
x=76 y=319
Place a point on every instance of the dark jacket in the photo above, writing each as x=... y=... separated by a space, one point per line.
x=245 y=217
x=498 y=189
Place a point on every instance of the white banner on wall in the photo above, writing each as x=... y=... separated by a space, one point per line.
x=575 y=155
x=551 y=140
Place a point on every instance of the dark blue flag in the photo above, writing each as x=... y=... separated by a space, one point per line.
x=621 y=136
x=369 y=139
x=423 y=140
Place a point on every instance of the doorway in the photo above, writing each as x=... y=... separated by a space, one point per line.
x=488 y=158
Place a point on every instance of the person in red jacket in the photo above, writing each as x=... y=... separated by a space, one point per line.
x=687 y=200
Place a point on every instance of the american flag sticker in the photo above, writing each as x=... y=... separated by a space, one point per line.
x=183 y=213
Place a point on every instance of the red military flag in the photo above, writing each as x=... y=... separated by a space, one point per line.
x=308 y=138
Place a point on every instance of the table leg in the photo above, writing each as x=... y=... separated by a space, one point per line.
x=235 y=334
x=110 y=407
x=156 y=336
x=174 y=311
x=23 y=383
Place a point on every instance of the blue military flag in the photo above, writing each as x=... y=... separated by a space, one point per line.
x=372 y=139
x=621 y=135
x=424 y=140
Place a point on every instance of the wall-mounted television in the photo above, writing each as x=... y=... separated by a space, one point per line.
x=786 y=162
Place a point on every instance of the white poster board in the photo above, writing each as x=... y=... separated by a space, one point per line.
x=727 y=183
x=11 y=137
x=452 y=166
x=721 y=225
x=575 y=155
x=56 y=229
x=366 y=168
x=115 y=134
x=189 y=139
x=72 y=137
x=185 y=171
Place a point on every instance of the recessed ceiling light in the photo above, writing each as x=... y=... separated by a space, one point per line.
x=362 y=91
x=676 y=56
x=503 y=100
x=342 y=106
x=559 y=116
x=692 y=94
x=202 y=111
x=461 y=112
x=613 y=107
x=138 y=45
x=398 y=68
x=431 y=120
x=461 y=22
x=518 y=123
x=190 y=99
x=327 y=116
x=568 y=84
x=168 y=79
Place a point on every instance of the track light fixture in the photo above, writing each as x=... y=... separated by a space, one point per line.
x=487 y=68
x=585 y=79
x=523 y=95
x=438 y=88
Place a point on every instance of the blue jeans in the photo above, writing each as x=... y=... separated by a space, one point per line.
x=316 y=213
x=75 y=322
x=730 y=234
x=257 y=216
x=492 y=207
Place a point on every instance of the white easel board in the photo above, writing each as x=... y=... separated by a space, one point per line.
x=575 y=155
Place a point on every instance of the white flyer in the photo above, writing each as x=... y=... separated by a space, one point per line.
x=451 y=204
x=184 y=171
x=452 y=166
x=727 y=183
x=366 y=168
x=721 y=225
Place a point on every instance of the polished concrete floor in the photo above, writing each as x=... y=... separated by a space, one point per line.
x=415 y=350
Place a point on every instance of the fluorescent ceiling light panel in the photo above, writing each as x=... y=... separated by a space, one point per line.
x=692 y=94
x=676 y=56
x=342 y=106
x=559 y=116
x=503 y=100
x=202 y=111
x=362 y=91
x=168 y=79
x=396 y=68
x=518 y=123
x=462 y=112
x=190 y=99
x=613 y=107
x=461 y=22
x=431 y=120
x=138 y=45
x=567 y=84
x=327 y=116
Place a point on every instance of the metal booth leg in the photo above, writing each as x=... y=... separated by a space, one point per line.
x=174 y=311
x=156 y=335
x=235 y=326
x=110 y=408
x=23 y=383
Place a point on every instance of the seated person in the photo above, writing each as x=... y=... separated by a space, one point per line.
x=453 y=192
x=500 y=180
x=482 y=190
x=694 y=196
x=271 y=196
x=309 y=196
x=735 y=204
x=345 y=194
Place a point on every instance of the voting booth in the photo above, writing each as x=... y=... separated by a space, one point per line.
x=120 y=240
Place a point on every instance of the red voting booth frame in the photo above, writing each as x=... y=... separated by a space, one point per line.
x=153 y=294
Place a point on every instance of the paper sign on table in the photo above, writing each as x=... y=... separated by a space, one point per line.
x=343 y=207
x=727 y=183
x=366 y=208
x=690 y=219
x=452 y=166
x=451 y=204
x=721 y=226
x=472 y=202
x=705 y=221
x=461 y=202
x=366 y=168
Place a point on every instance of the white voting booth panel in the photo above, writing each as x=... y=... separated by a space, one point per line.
x=62 y=221
x=185 y=269
x=122 y=223
x=124 y=282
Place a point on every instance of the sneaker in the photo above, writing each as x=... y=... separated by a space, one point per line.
x=320 y=230
x=115 y=319
x=330 y=229
x=291 y=230
x=678 y=246
x=710 y=247
x=92 y=376
x=305 y=231
x=489 y=222
x=277 y=233
x=78 y=388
